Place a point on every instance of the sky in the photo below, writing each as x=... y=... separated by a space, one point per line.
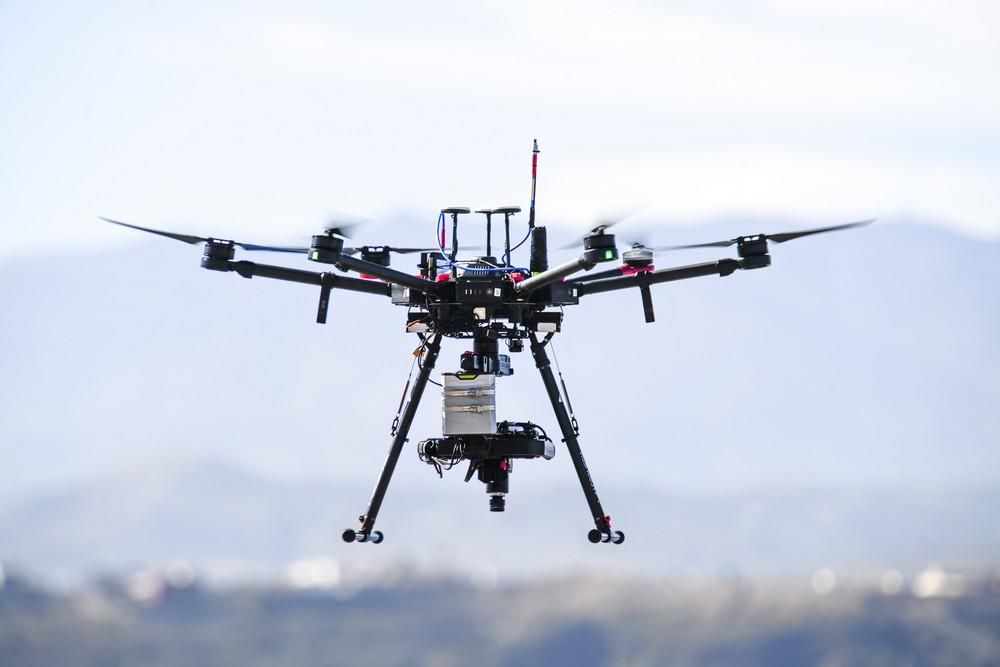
x=258 y=121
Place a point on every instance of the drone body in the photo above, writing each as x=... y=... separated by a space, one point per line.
x=491 y=302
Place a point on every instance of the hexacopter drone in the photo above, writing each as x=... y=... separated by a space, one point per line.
x=487 y=300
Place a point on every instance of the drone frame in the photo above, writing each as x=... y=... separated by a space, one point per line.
x=219 y=257
x=476 y=303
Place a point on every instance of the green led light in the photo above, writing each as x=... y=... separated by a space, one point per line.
x=609 y=254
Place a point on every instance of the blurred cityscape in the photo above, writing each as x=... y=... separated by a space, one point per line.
x=319 y=613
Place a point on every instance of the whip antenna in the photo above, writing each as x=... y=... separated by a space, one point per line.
x=539 y=240
x=534 y=176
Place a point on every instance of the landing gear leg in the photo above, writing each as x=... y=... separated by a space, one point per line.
x=602 y=531
x=365 y=532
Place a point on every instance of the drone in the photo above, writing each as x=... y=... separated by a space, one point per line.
x=487 y=300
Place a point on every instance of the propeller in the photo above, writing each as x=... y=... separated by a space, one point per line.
x=776 y=238
x=335 y=227
x=395 y=249
x=190 y=238
x=599 y=228
x=344 y=226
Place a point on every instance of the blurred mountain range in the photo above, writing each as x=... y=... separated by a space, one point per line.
x=838 y=408
x=236 y=525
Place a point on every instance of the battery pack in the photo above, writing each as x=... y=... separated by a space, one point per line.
x=470 y=404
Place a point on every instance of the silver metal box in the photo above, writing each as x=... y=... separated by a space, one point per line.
x=470 y=406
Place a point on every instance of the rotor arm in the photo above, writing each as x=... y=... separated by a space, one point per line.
x=722 y=267
x=253 y=269
x=385 y=273
x=584 y=262
x=327 y=282
x=644 y=279
x=600 y=275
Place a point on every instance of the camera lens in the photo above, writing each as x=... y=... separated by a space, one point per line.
x=497 y=503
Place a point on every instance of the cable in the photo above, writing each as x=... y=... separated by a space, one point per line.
x=441 y=463
x=440 y=239
x=447 y=263
x=506 y=259
x=420 y=365
x=565 y=392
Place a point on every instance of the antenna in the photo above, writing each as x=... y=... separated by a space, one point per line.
x=539 y=244
x=534 y=177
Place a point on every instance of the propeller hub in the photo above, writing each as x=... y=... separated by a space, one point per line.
x=341 y=230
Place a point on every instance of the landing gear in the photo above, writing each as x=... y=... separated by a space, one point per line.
x=375 y=537
x=602 y=523
x=616 y=537
x=489 y=453
x=366 y=532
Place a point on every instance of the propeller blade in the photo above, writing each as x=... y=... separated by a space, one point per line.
x=272 y=248
x=345 y=224
x=713 y=244
x=190 y=238
x=777 y=238
x=345 y=231
x=186 y=238
x=397 y=250
x=638 y=240
x=597 y=229
x=788 y=236
x=406 y=251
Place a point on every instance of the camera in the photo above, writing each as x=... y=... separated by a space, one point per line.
x=490 y=455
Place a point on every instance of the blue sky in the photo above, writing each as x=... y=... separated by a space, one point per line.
x=255 y=121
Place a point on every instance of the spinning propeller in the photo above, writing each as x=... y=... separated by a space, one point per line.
x=637 y=255
x=335 y=228
x=387 y=248
x=599 y=229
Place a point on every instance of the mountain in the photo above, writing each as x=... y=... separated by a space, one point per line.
x=233 y=524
